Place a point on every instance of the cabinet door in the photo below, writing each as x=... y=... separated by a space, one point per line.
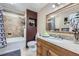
x=39 y=49
x=44 y=51
x=51 y=53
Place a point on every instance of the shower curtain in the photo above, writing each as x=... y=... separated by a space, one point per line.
x=3 y=42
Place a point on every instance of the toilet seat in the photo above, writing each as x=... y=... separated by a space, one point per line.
x=32 y=45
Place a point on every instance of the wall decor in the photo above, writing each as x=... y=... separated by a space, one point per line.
x=31 y=22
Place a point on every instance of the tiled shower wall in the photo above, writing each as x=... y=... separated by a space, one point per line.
x=14 y=25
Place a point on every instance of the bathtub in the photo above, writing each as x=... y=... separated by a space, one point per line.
x=13 y=44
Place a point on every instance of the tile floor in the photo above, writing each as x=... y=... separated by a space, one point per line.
x=27 y=52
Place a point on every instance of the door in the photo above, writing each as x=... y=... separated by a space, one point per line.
x=31 y=26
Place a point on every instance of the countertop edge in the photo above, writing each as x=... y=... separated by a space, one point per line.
x=65 y=46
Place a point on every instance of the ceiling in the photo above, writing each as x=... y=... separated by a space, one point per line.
x=21 y=7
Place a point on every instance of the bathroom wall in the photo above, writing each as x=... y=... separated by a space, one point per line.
x=14 y=24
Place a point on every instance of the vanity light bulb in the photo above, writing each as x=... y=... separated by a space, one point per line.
x=51 y=16
x=12 y=3
x=59 y=3
x=53 y=5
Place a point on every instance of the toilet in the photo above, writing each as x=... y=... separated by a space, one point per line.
x=32 y=45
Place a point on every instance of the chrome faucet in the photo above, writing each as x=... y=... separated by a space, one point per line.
x=60 y=37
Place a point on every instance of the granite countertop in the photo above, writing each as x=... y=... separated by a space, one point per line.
x=66 y=44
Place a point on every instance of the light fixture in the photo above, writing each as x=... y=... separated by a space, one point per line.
x=59 y=3
x=12 y=3
x=53 y=6
x=51 y=16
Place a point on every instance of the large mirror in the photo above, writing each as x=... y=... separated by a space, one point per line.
x=67 y=24
x=63 y=20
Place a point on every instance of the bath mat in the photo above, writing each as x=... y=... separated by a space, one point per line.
x=13 y=53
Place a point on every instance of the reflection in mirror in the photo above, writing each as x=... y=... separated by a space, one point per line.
x=51 y=24
x=74 y=25
x=66 y=21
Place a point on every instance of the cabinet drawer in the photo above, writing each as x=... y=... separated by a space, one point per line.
x=52 y=53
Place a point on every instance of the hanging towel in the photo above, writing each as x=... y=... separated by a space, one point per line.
x=3 y=41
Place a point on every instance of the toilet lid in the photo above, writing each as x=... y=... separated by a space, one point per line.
x=31 y=43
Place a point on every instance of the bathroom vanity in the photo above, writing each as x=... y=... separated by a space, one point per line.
x=55 y=47
x=63 y=27
x=60 y=24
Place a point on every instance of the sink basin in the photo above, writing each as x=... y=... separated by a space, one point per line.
x=59 y=40
x=51 y=37
x=56 y=39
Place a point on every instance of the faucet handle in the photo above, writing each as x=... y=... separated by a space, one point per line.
x=61 y=37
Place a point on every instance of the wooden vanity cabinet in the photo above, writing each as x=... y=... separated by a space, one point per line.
x=42 y=50
x=45 y=48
